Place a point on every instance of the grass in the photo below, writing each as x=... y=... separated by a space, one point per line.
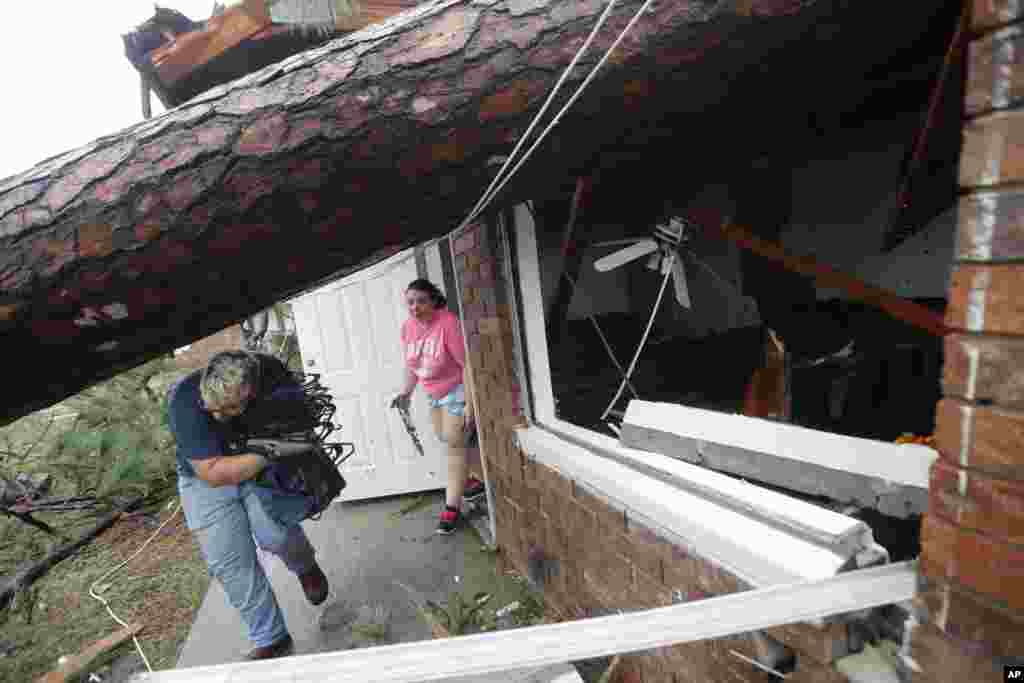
x=161 y=590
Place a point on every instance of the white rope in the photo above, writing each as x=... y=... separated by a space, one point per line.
x=486 y=197
x=492 y=191
x=643 y=340
x=105 y=603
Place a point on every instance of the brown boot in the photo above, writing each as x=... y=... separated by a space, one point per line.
x=314 y=584
x=281 y=648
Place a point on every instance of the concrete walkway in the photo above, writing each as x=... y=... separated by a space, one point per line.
x=367 y=550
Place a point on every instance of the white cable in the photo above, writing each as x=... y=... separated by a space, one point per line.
x=486 y=197
x=489 y=195
x=643 y=340
x=105 y=603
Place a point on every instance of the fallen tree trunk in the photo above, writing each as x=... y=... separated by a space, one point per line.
x=32 y=571
x=175 y=228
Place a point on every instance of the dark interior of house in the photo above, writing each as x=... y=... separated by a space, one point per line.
x=868 y=190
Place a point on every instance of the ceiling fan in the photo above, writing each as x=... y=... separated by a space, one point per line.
x=668 y=239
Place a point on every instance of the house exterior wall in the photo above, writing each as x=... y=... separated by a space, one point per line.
x=971 y=606
x=586 y=552
x=200 y=351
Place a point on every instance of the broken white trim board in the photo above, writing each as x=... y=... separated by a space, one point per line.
x=490 y=654
x=890 y=477
x=906 y=464
x=812 y=521
x=754 y=550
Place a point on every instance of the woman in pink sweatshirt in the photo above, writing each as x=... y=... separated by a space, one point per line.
x=435 y=356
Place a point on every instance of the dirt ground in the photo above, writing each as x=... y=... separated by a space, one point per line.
x=160 y=589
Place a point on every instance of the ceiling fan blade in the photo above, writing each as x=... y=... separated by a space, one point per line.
x=679 y=280
x=624 y=256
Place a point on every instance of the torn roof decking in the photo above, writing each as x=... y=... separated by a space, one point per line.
x=179 y=226
x=246 y=37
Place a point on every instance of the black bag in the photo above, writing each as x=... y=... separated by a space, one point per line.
x=293 y=435
x=303 y=467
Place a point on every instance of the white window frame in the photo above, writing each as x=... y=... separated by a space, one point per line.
x=801 y=444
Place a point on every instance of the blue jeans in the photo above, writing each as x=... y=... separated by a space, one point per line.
x=230 y=522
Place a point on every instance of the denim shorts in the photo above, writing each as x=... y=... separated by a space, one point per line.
x=454 y=401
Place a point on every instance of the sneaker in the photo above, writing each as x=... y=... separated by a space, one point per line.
x=281 y=648
x=474 y=490
x=449 y=521
x=314 y=585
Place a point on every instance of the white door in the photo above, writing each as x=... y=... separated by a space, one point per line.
x=349 y=334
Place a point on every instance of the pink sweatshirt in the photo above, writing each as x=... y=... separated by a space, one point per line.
x=435 y=352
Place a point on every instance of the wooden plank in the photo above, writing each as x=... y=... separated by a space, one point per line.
x=516 y=649
x=991 y=226
x=961 y=613
x=75 y=664
x=989 y=369
x=989 y=14
x=982 y=438
x=902 y=464
x=993 y=150
x=995 y=71
x=987 y=298
x=976 y=501
x=974 y=559
x=826 y=276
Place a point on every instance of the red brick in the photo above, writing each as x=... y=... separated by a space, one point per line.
x=991 y=153
x=948 y=660
x=977 y=501
x=649 y=591
x=611 y=518
x=690 y=662
x=682 y=573
x=649 y=549
x=983 y=438
x=977 y=561
x=995 y=72
x=989 y=14
x=822 y=644
x=727 y=666
x=972 y=618
x=985 y=369
x=985 y=298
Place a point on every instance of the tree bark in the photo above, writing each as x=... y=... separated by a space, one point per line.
x=186 y=223
x=32 y=571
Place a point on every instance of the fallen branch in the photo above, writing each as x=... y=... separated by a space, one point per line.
x=28 y=574
x=72 y=666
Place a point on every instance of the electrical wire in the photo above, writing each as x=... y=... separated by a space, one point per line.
x=106 y=603
x=486 y=197
x=643 y=340
x=495 y=186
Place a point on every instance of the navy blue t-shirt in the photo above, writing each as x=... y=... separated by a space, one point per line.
x=197 y=434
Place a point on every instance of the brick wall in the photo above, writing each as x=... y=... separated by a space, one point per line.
x=547 y=522
x=203 y=349
x=971 y=606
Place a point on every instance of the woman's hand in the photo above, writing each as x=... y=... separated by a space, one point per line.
x=401 y=401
